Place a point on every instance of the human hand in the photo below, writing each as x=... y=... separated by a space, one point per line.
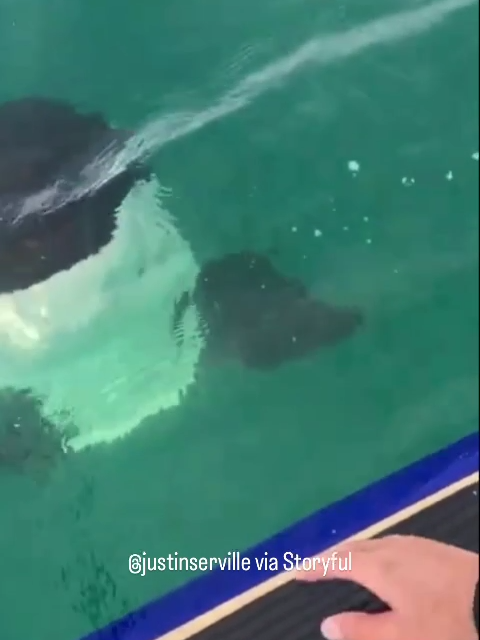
x=429 y=587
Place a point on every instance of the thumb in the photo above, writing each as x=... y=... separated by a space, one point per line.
x=360 y=626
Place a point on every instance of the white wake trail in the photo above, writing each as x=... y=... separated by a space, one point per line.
x=320 y=51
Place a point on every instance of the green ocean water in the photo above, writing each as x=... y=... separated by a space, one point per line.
x=340 y=138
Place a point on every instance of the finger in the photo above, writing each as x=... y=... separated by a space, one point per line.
x=342 y=551
x=361 y=626
x=321 y=566
x=371 y=569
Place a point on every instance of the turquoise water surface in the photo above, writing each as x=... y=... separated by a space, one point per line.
x=340 y=139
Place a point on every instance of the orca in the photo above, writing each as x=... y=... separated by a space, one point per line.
x=44 y=147
x=243 y=307
x=253 y=313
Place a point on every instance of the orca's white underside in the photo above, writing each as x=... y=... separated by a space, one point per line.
x=96 y=341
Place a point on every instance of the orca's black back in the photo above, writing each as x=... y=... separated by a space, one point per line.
x=46 y=143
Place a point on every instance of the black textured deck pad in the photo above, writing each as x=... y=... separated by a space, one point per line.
x=294 y=611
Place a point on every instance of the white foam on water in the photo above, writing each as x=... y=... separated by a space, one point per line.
x=96 y=341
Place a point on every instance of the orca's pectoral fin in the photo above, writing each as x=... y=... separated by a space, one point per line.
x=331 y=324
x=296 y=331
x=263 y=318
